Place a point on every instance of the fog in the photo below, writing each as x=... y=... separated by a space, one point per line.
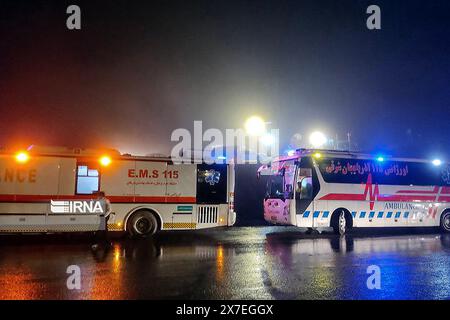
x=138 y=70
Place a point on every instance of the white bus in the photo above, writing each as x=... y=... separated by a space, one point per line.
x=323 y=188
x=147 y=194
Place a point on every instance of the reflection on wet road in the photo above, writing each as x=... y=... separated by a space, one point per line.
x=235 y=263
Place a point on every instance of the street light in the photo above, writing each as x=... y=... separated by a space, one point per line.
x=255 y=126
x=317 y=139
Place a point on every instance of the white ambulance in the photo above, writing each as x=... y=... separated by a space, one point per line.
x=339 y=189
x=51 y=189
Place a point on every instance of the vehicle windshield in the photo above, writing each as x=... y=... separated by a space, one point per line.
x=275 y=187
x=280 y=185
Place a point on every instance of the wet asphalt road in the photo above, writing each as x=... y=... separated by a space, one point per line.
x=234 y=263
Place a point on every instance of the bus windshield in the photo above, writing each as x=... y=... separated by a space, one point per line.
x=280 y=185
x=275 y=187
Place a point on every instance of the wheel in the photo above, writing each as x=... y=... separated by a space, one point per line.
x=142 y=224
x=341 y=222
x=445 y=222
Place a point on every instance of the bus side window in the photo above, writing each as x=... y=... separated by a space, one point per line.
x=88 y=180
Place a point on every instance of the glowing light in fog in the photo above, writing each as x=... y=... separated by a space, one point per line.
x=267 y=139
x=317 y=139
x=105 y=161
x=255 y=126
x=437 y=162
x=22 y=157
x=290 y=153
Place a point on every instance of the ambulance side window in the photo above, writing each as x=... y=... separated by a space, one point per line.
x=88 y=179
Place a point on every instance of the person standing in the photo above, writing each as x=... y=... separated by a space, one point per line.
x=102 y=233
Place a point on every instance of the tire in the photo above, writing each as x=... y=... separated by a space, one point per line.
x=341 y=222
x=142 y=224
x=445 y=221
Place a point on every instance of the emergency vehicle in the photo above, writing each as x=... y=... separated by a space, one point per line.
x=344 y=190
x=41 y=189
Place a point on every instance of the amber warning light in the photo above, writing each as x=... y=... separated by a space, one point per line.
x=105 y=161
x=22 y=157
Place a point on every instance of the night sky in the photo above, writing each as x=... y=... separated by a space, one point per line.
x=137 y=70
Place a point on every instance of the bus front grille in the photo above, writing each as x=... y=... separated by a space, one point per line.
x=207 y=214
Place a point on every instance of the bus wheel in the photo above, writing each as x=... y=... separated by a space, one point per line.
x=142 y=224
x=445 y=221
x=341 y=221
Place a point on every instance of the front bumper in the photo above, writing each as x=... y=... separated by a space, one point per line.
x=231 y=218
x=277 y=211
